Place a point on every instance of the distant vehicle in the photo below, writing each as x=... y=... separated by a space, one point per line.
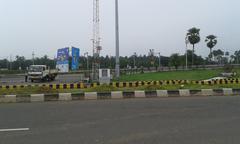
x=41 y=73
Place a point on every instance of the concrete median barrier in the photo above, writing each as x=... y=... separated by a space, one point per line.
x=173 y=93
x=207 y=92
x=37 y=98
x=117 y=95
x=196 y=92
x=236 y=91
x=227 y=91
x=217 y=92
x=139 y=94
x=65 y=97
x=10 y=99
x=90 y=96
x=184 y=92
x=162 y=93
x=151 y=94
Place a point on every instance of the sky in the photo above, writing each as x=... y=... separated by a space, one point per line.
x=43 y=26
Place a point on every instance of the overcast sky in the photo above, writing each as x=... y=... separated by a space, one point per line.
x=43 y=26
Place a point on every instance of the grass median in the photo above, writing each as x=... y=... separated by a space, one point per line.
x=176 y=75
x=107 y=88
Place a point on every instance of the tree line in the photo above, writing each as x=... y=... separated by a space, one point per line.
x=146 y=61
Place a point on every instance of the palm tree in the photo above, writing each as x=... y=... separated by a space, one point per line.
x=211 y=41
x=193 y=36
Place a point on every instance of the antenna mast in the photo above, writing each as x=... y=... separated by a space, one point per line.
x=96 y=40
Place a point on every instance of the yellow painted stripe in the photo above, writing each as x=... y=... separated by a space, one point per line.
x=54 y=86
x=114 y=84
x=94 y=85
x=145 y=83
x=121 y=84
x=134 y=84
x=127 y=84
x=82 y=85
x=61 y=86
x=75 y=86
x=68 y=86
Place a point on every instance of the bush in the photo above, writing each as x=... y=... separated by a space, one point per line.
x=103 y=88
x=228 y=68
x=152 y=87
x=46 y=90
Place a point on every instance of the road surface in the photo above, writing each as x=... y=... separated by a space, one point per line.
x=20 y=79
x=206 y=120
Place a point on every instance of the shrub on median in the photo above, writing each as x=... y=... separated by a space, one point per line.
x=102 y=88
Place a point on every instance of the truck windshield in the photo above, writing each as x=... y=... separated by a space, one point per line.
x=36 y=69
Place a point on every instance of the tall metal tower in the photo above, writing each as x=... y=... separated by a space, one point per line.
x=96 y=40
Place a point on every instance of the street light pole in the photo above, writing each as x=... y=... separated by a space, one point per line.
x=186 y=42
x=159 y=60
x=134 y=60
x=117 y=70
x=33 y=57
x=10 y=62
x=87 y=63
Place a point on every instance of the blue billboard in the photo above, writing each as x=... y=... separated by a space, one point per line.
x=63 y=60
x=62 y=56
x=75 y=58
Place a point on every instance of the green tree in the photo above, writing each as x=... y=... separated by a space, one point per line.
x=218 y=54
x=211 y=41
x=175 y=60
x=193 y=36
x=236 y=56
x=227 y=53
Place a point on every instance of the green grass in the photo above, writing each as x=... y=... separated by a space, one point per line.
x=26 y=91
x=174 y=75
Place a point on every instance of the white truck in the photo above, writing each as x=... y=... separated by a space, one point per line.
x=41 y=73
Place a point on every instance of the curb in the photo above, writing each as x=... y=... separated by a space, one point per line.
x=118 y=95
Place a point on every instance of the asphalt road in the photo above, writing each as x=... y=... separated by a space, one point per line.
x=19 y=79
x=206 y=120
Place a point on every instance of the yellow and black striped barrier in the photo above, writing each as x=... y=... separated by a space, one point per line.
x=124 y=84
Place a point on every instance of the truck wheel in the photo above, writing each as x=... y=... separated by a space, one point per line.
x=47 y=78
x=53 y=79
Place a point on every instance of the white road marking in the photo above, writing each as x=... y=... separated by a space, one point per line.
x=17 y=129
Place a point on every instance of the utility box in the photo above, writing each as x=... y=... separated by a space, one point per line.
x=104 y=76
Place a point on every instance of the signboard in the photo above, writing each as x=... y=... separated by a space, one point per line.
x=104 y=76
x=75 y=58
x=63 y=60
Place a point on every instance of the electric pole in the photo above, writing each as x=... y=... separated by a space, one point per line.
x=159 y=60
x=33 y=57
x=10 y=62
x=186 y=42
x=117 y=70
x=87 y=63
